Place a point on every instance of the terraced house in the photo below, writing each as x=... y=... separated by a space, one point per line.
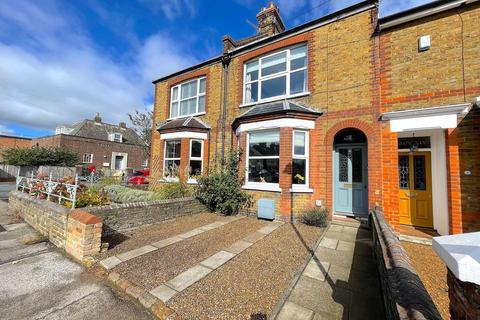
x=347 y=112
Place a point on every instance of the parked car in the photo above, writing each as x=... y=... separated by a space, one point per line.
x=139 y=176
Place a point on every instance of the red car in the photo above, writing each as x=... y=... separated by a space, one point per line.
x=139 y=176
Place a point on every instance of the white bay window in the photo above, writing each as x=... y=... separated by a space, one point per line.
x=171 y=162
x=300 y=160
x=188 y=98
x=278 y=75
x=263 y=158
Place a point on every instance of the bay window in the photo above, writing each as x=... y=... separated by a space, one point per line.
x=263 y=157
x=188 y=98
x=300 y=159
x=196 y=155
x=279 y=75
x=171 y=162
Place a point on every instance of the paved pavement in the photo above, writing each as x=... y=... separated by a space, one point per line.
x=5 y=188
x=38 y=282
x=340 y=281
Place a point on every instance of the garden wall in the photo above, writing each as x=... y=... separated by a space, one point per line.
x=118 y=218
x=75 y=231
x=404 y=294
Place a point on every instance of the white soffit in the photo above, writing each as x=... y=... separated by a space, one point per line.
x=277 y=123
x=183 y=134
x=443 y=117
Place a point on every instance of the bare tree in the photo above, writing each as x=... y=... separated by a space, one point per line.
x=142 y=122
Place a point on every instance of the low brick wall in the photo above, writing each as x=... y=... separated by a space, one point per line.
x=48 y=218
x=464 y=298
x=118 y=218
x=77 y=232
x=405 y=296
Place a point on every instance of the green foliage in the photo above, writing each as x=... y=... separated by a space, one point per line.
x=221 y=191
x=90 y=197
x=142 y=124
x=40 y=156
x=173 y=190
x=315 y=217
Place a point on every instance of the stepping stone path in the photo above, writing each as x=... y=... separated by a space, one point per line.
x=339 y=282
x=196 y=273
x=113 y=261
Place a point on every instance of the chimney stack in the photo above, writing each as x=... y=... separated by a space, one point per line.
x=122 y=125
x=97 y=118
x=269 y=21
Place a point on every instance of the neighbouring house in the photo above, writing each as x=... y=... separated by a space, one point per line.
x=8 y=142
x=347 y=112
x=100 y=144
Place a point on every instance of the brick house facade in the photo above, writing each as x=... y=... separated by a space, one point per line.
x=103 y=145
x=346 y=112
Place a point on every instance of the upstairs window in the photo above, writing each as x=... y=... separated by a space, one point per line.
x=278 y=75
x=116 y=137
x=188 y=98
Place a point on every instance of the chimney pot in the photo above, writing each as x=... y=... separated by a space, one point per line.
x=97 y=118
x=269 y=20
x=122 y=125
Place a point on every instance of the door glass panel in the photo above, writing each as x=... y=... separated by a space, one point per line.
x=343 y=165
x=403 y=172
x=357 y=165
x=419 y=177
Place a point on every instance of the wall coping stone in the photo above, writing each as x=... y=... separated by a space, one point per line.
x=138 y=204
x=461 y=254
x=84 y=217
x=41 y=202
x=405 y=295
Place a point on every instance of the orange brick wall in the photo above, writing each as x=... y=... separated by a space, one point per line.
x=7 y=142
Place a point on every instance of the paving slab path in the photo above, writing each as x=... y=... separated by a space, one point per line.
x=39 y=282
x=340 y=281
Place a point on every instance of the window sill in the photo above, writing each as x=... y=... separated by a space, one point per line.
x=301 y=190
x=262 y=187
x=192 y=181
x=298 y=95
x=188 y=115
x=168 y=180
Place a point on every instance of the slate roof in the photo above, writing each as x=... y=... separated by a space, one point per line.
x=183 y=123
x=100 y=130
x=277 y=107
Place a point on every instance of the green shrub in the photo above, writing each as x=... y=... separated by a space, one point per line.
x=39 y=156
x=174 y=190
x=123 y=194
x=221 y=191
x=90 y=197
x=315 y=217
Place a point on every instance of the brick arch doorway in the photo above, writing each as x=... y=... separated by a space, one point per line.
x=350 y=173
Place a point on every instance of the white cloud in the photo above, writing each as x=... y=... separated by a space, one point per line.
x=52 y=73
x=5 y=130
x=172 y=9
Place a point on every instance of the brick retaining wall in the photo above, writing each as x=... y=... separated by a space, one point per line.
x=77 y=232
x=405 y=296
x=127 y=216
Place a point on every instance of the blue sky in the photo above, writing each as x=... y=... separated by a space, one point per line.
x=62 y=61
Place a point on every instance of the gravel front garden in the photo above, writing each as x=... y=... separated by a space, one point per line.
x=246 y=287
x=432 y=272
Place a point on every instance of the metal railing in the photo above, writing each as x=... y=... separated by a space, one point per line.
x=49 y=187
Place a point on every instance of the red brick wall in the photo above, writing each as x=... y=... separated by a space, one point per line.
x=7 y=142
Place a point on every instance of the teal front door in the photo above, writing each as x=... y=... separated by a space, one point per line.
x=350 y=180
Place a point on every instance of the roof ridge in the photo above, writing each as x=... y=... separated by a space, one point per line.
x=185 y=123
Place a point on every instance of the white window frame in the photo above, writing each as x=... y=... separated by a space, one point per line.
x=287 y=72
x=116 y=137
x=179 y=99
x=267 y=186
x=190 y=158
x=90 y=155
x=302 y=187
x=165 y=159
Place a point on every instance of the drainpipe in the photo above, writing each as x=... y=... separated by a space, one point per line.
x=225 y=63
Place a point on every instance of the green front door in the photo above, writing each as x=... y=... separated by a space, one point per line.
x=350 y=180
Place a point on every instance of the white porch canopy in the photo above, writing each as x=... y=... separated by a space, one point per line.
x=441 y=117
